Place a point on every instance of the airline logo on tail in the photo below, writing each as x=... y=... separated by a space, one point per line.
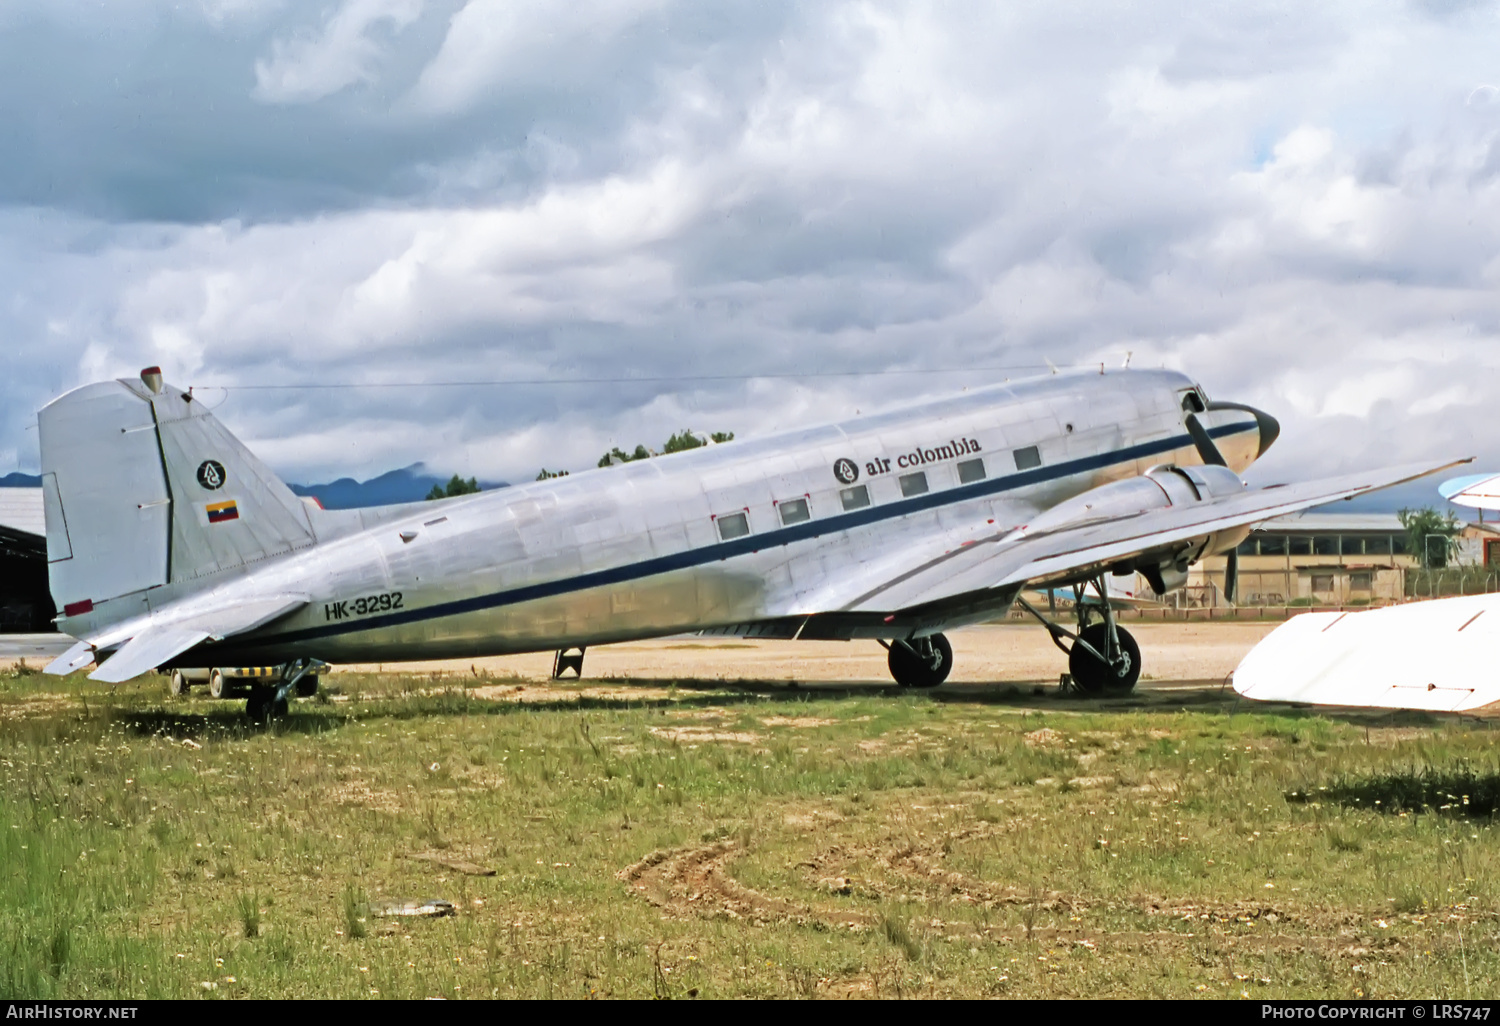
x=221 y=512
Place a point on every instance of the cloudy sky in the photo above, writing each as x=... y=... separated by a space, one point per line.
x=1297 y=203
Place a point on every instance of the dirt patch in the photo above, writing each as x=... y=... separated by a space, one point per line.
x=701 y=735
x=797 y=721
x=457 y=865
x=1043 y=738
x=37 y=705
x=692 y=882
x=811 y=819
x=357 y=792
x=1091 y=781
x=548 y=693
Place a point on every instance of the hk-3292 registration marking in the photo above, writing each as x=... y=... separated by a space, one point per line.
x=364 y=606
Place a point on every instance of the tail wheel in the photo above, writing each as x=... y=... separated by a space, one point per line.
x=1119 y=675
x=177 y=684
x=921 y=662
x=218 y=686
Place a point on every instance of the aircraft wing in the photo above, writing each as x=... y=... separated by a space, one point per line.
x=1085 y=547
x=1437 y=656
x=1480 y=491
x=150 y=641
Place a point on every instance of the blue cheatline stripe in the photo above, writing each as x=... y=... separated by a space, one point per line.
x=750 y=543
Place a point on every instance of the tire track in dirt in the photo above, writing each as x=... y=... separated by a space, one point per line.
x=692 y=881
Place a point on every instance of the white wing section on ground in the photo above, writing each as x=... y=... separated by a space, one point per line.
x=1479 y=491
x=1092 y=545
x=152 y=641
x=1438 y=656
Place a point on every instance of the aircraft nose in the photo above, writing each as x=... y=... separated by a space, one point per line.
x=1270 y=428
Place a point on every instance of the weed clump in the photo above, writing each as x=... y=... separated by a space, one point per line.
x=249 y=909
x=900 y=937
x=1462 y=791
x=355 y=908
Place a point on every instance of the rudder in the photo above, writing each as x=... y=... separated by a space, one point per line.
x=144 y=487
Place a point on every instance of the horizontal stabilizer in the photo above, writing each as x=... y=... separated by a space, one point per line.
x=173 y=631
x=1437 y=656
x=78 y=656
x=146 y=651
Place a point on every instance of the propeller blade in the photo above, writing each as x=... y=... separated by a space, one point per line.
x=1208 y=452
x=1231 y=575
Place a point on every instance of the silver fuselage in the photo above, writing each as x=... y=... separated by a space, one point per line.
x=635 y=551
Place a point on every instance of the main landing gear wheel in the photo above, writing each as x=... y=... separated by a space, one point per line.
x=920 y=662
x=1118 y=675
x=307 y=687
x=263 y=704
x=177 y=685
x=218 y=686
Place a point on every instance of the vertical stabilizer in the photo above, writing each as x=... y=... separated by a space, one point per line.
x=105 y=496
x=144 y=487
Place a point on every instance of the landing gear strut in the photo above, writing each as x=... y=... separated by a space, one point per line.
x=268 y=700
x=1103 y=658
x=920 y=662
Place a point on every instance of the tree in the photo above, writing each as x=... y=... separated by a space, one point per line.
x=548 y=475
x=1430 y=535
x=680 y=442
x=683 y=441
x=616 y=456
x=456 y=486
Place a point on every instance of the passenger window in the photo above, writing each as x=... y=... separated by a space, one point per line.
x=735 y=525
x=857 y=497
x=793 y=511
x=914 y=484
x=970 y=471
x=1028 y=458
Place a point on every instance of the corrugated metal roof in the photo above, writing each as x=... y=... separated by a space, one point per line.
x=21 y=510
x=1334 y=523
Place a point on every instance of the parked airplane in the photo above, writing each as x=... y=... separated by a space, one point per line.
x=169 y=544
x=1437 y=655
x=1478 y=491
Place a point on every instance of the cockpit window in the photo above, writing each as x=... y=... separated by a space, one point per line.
x=1192 y=401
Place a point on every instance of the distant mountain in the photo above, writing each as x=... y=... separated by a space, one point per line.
x=409 y=484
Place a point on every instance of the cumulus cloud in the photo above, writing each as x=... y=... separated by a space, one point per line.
x=342 y=51
x=1301 y=211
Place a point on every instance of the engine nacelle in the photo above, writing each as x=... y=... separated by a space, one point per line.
x=1159 y=488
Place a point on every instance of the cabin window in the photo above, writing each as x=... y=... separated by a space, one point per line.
x=914 y=484
x=1273 y=545
x=793 y=511
x=734 y=525
x=1027 y=458
x=857 y=497
x=970 y=471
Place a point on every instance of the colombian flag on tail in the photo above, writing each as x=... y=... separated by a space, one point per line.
x=220 y=512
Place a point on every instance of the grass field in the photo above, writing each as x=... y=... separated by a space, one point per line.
x=720 y=840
